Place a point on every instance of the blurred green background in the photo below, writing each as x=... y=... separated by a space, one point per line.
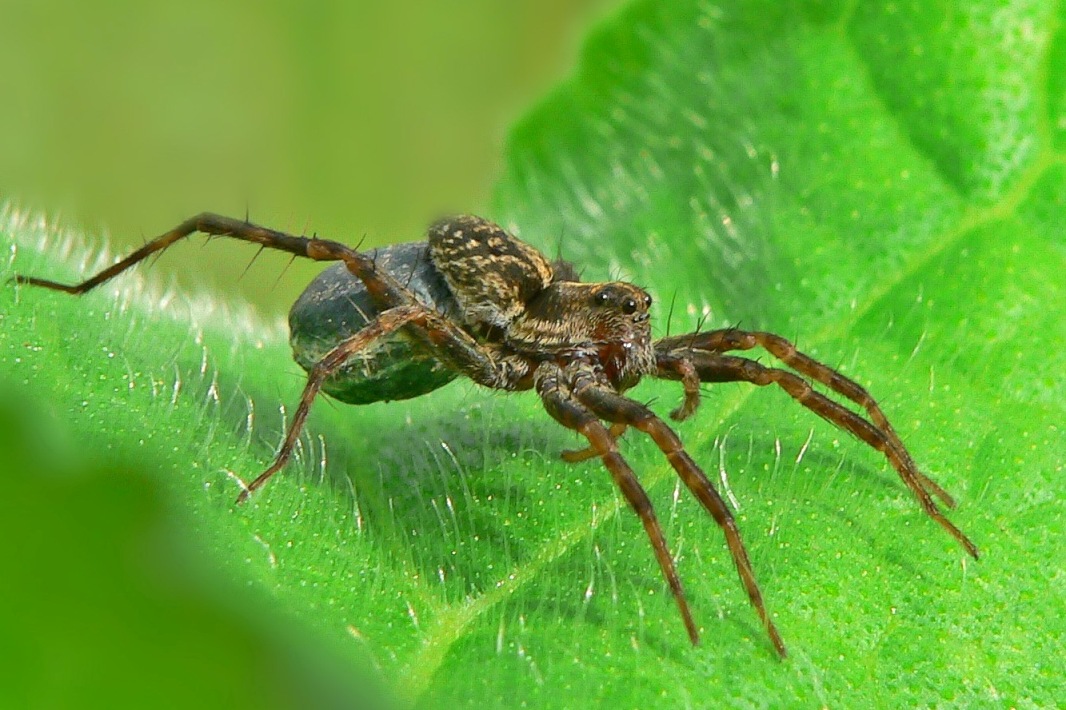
x=351 y=119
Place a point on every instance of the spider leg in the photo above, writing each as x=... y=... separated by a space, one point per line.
x=607 y=404
x=380 y=326
x=719 y=368
x=445 y=340
x=565 y=409
x=719 y=341
x=589 y=452
x=384 y=289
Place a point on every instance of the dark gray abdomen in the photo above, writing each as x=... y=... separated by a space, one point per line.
x=336 y=305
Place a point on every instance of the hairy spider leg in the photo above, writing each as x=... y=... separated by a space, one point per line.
x=385 y=290
x=560 y=403
x=730 y=368
x=451 y=342
x=718 y=341
x=380 y=326
x=690 y=380
x=607 y=404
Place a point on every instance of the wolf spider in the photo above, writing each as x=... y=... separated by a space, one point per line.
x=477 y=302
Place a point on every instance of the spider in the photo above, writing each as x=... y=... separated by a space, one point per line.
x=475 y=301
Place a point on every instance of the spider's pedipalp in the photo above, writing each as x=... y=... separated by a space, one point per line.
x=683 y=369
x=606 y=403
x=590 y=452
x=561 y=404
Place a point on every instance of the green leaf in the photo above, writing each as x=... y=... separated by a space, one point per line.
x=882 y=184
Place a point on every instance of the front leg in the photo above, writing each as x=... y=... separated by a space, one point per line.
x=703 y=347
x=878 y=433
x=727 y=339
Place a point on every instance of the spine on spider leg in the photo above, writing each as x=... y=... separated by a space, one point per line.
x=386 y=291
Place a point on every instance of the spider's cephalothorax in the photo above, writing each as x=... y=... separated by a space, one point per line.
x=509 y=295
x=474 y=301
x=606 y=323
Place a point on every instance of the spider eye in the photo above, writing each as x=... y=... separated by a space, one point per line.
x=602 y=298
x=629 y=307
x=647 y=301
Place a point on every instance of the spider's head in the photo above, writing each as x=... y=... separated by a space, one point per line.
x=617 y=310
x=605 y=321
x=568 y=314
x=617 y=321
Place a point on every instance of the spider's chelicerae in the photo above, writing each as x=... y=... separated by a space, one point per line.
x=475 y=301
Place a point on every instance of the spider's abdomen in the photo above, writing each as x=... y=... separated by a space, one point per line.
x=336 y=305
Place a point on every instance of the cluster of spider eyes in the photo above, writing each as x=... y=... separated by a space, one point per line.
x=629 y=306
